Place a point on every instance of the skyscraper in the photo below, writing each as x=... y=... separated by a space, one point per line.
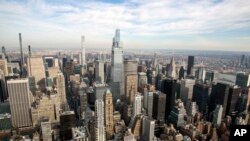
x=148 y=129
x=83 y=51
x=3 y=92
x=100 y=134
x=186 y=89
x=190 y=65
x=168 y=87
x=20 y=102
x=131 y=80
x=137 y=106
x=36 y=68
x=117 y=67
x=219 y=96
x=60 y=83
x=159 y=102
x=242 y=60
x=172 y=70
x=181 y=73
x=201 y=93
x=234 y=94
x=3 y=64
x=67 y=122
x=109 y=120
x=243 y=80
x=201 y=74
x=150 y=101
x=217 y=115
x=83 y=102
x=99 y=71
x=142 y=81
x=177 y=114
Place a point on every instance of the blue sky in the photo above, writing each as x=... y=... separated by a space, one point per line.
x=170 y=24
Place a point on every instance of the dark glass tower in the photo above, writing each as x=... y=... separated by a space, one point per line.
x=233 y=96
x=159 y=102
x=200 y=96
x=190 y=64
x=181 y=73
x=219 y=96
x=168 y=86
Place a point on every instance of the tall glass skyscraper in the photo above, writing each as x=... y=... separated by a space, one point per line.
x=117 y=67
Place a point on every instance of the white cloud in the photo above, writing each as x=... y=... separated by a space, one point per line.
x=137 y=19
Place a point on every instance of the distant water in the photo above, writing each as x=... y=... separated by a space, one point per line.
x=227 y=78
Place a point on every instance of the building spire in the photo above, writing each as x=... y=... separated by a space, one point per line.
x=171 y=70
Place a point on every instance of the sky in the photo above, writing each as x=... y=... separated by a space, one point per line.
x=155 y=24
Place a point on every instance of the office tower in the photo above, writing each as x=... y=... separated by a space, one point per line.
x=190 y=65
x=241 y=103
x=3 y=90
x=181 y=73
x=186 y=89
x=67 y=122
x=158 y=80
x=217 y=115
x=177 y=114
x=3 y=64
x=5 y=120
x=201 y=74
x=108 y=114
x=136 y=127
x=100 y=133
x=117 y=83
x=168 y=87
x=233 y=95
x=127 y=113
x=150 y=97
x=47 y=106
x=243 y=80
x=99 y=71
x=151 y=76
x=137 y=106
x=192 y=108
x=99 y=90
x=159 y=102
x=46 y=131
x=171 y=72
x=64 y=62
x=107 y=71
x=61 y=92
x=242 y=60
x=20 y=102
x=4 y=51
x=211 y=76
x=131 y=80
x=83 y=62
x=219 y=96
x=49 y=61
x=36 y=68
x=142 y=81
x=201 y=94
x=148 y=129
x=83 y=102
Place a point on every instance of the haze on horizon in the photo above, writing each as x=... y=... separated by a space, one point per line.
x=165 y=24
